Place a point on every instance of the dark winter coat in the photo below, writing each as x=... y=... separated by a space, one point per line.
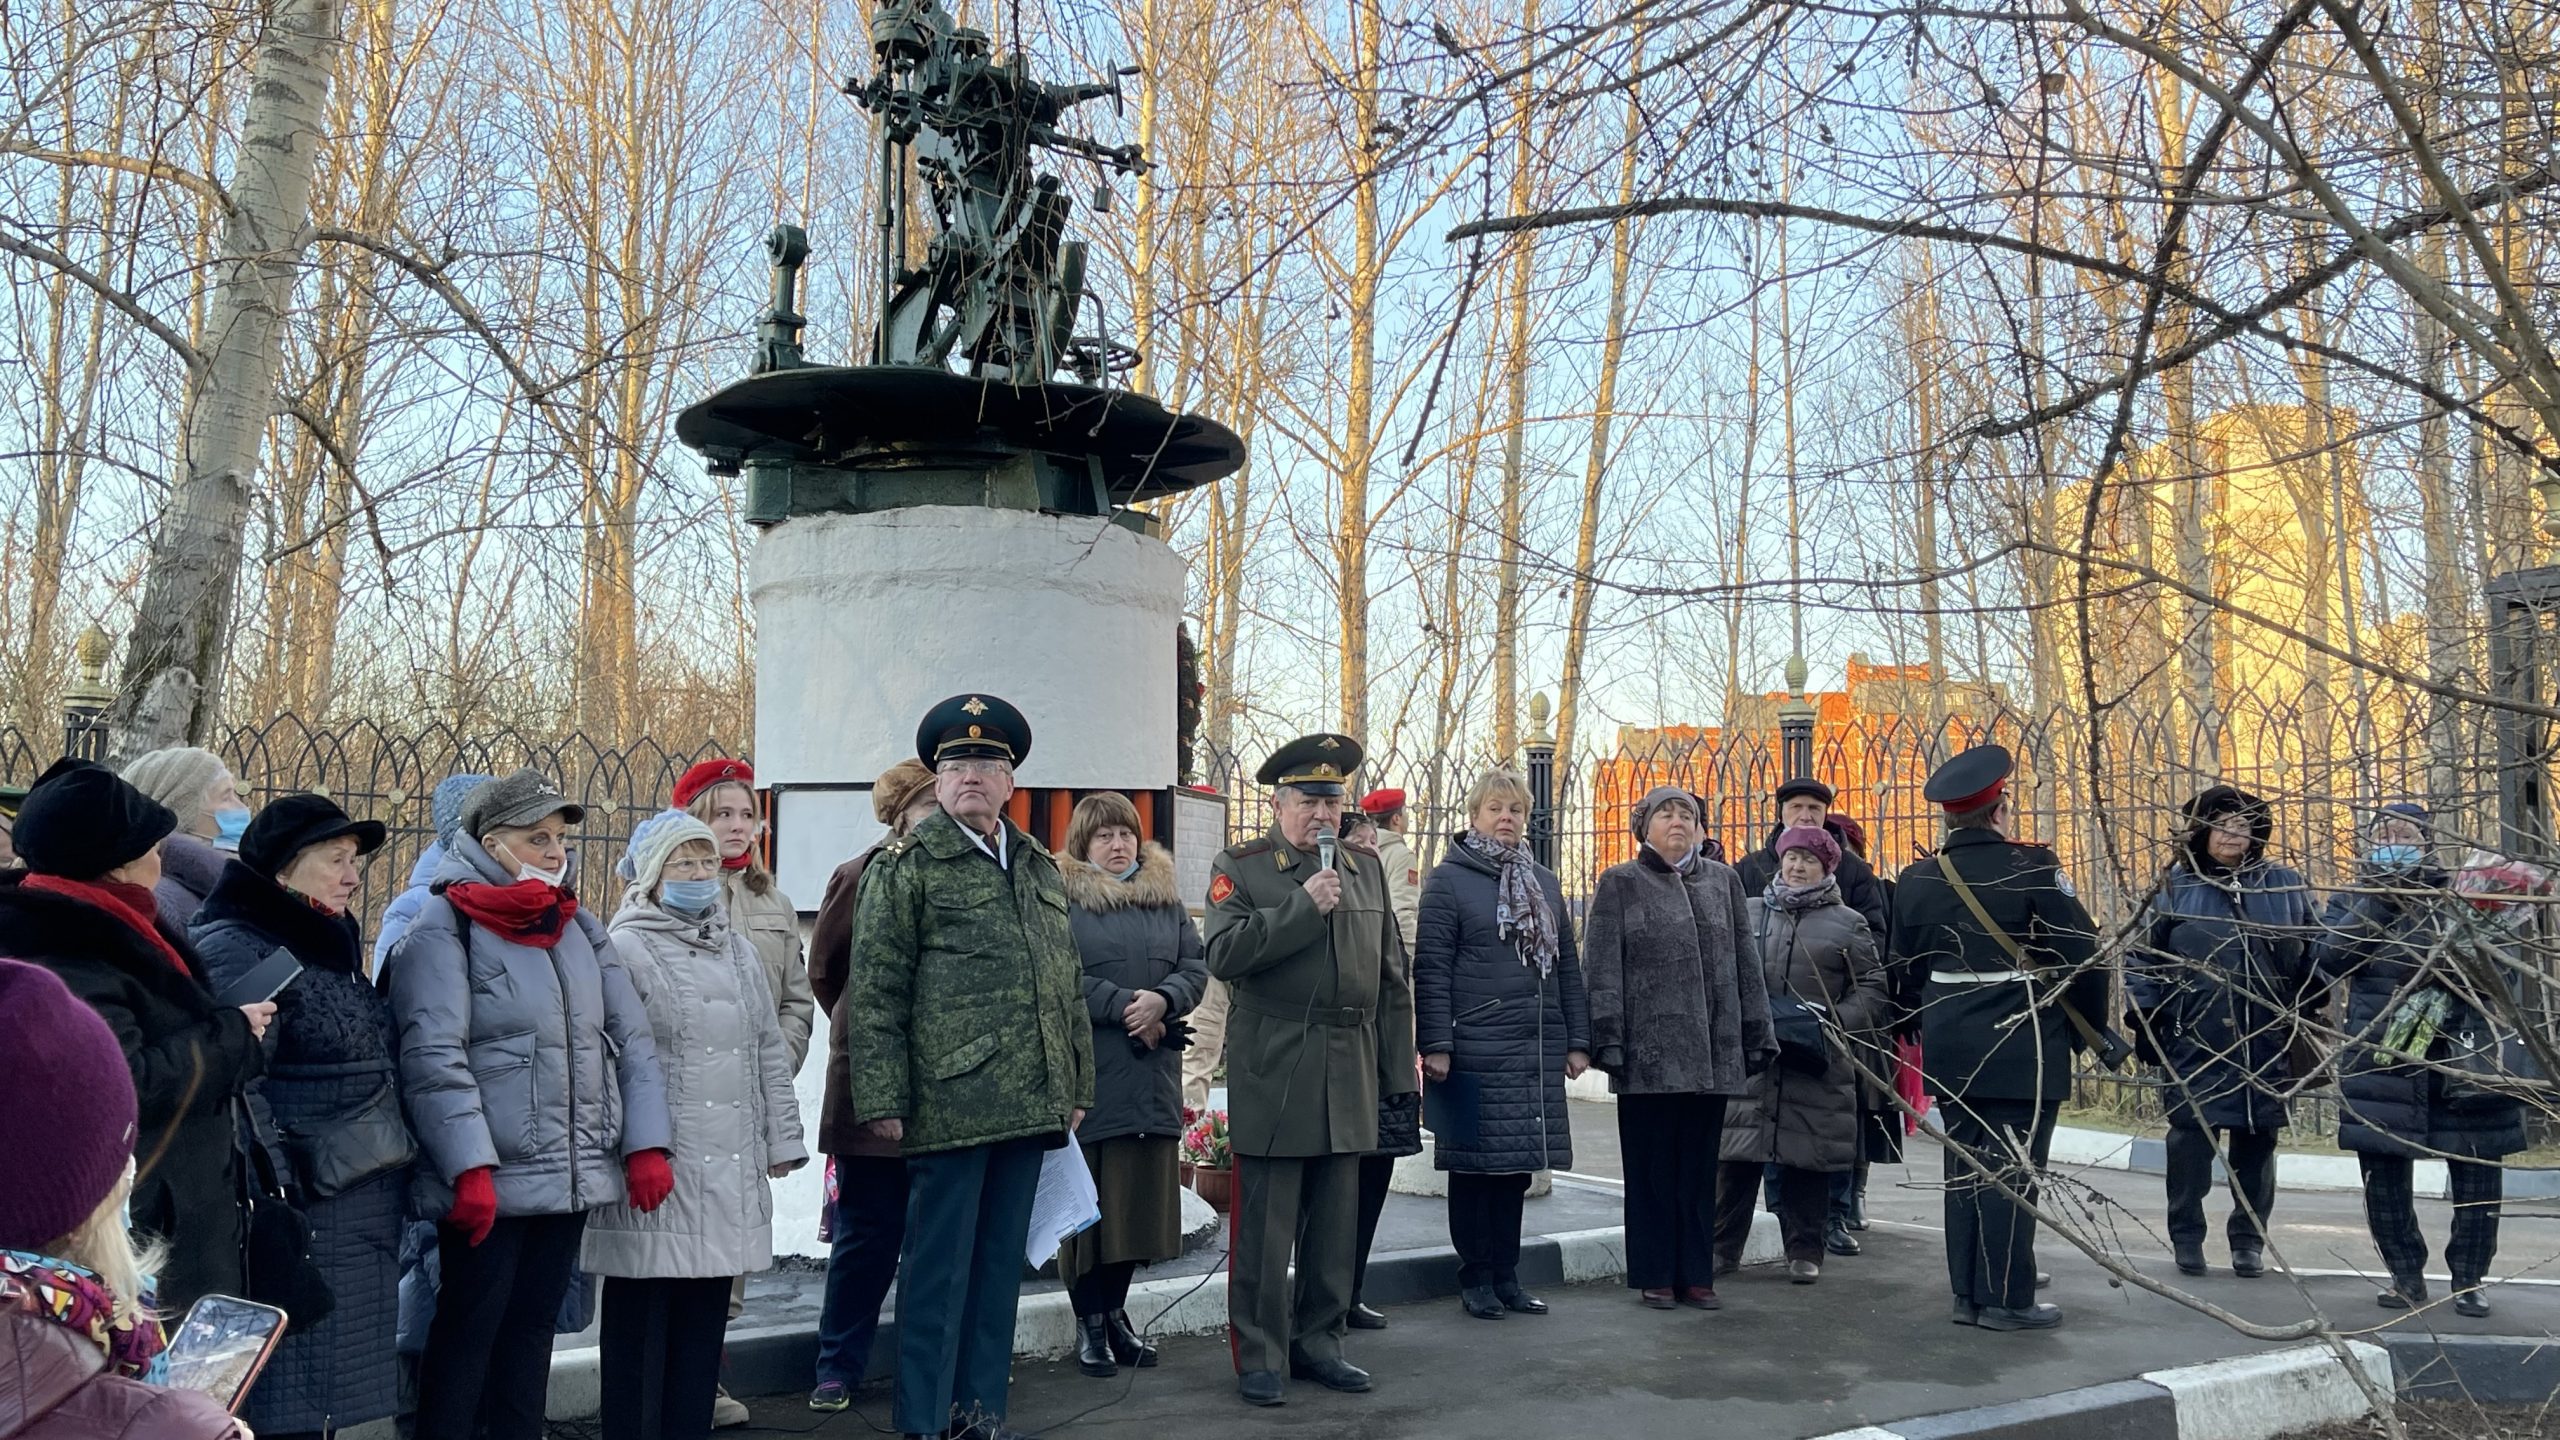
x=2373 y=940
x=538 y=1062
x=1504 y=1027
x=54 y=1385
x=2221 y=979
x=1674 y=1008
x=190 y=866
x=2003 y=1039
x=830 y=959
x=328 y=1052
x=1826 y=957
x=1860 y=890
x=1133 y=935
x=192 y=1057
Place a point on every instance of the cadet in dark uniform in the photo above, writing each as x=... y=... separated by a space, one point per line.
x=1321 y=1026
x=1996 y=1040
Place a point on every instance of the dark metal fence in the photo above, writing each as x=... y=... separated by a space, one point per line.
x=387 y=773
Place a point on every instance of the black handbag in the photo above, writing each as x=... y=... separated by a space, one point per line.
x=1799 y=1030
x=346 y=1150
x=1399 y=1125
x=276 y=1244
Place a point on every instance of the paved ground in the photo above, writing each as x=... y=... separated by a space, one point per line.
x=1869 y=1344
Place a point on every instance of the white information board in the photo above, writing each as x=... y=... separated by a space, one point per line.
x=1199 y=833
x=814 y=831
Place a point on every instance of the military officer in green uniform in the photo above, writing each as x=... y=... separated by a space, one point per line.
x=2004 y=945
x=970 y=1047
x=1321 y=1027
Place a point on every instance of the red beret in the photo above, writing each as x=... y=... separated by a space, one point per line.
x=1382 y=802
x=703 y=774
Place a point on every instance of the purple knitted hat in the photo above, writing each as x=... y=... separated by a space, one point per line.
x=66 y=1109
x=1813 y=838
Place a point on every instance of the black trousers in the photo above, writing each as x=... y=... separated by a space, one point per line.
x=658 y=1355
x=1803 y=1208
x=1667 y=1146
x=2391 y=1212
x=487 y=1367
x=960 y=1281
x=1991 y=1239
x=1103 y=1289
x=1375 y=1172
x=870 y=1225
x=1484 y=1226
x=2249 y=1156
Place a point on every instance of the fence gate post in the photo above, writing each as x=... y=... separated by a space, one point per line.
x=85 y=701
x=1539 y=754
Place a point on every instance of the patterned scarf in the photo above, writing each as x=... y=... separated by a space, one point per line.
x=1520 y=902
x=72 y=1296
x=1796 y=899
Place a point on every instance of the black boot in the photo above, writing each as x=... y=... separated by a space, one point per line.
x=1858 y=1207
x=1093 y=1347
x=1837 y=1239
x=2190 y=1254
x=1127 y=1346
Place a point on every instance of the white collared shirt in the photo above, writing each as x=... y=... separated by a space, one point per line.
x=994 y=850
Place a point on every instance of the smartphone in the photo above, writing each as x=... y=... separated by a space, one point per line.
x=221 y=1346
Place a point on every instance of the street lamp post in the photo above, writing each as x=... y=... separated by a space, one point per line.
x=85 y=701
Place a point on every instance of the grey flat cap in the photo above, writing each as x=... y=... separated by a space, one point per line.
x=518 y=799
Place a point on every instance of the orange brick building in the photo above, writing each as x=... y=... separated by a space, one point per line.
x=1874 y=742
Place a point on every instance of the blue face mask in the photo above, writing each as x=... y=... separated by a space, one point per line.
x=2395 y=857
x=690 y=897
x=229 y=826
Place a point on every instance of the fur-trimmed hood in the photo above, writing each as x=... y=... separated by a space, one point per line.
x=1090 y=888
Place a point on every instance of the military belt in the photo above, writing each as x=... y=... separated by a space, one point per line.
x=1339 y=1016
x=1976 y=977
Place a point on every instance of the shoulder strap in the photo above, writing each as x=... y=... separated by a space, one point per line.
x=2007 y=942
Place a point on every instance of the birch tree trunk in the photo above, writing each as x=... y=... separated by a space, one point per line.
x=1506 y=593
x=1595 y=466
x=190 y=590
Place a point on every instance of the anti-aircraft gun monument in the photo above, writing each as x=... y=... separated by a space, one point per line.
x=957 y=514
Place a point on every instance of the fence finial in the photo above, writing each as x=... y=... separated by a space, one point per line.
x=1538 y=712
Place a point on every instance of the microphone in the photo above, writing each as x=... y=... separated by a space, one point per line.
x=1325 y=841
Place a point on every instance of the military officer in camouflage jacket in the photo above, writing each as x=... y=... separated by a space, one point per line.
x=1321 y=1026
x=970 y=1046
x=2004 y=945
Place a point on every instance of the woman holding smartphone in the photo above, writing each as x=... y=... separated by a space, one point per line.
x=76 y=1331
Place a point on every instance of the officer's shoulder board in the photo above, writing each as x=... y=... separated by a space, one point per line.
x=2038 y=857
x=1249 y=849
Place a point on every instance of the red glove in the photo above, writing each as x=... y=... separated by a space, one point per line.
x=648 y=1179
x=475 y=1203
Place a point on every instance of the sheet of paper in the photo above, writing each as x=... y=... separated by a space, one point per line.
x=1065 y=1205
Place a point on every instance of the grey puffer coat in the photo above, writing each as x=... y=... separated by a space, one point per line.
x=328 y=1053
x=538 y=1062
x=1133 y=936
x=1824 y=956
x=1504 y=1027
x=2373 y=940
x=727 y=1065
x=1674 y=1010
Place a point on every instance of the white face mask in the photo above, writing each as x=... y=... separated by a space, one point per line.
x=527 y=871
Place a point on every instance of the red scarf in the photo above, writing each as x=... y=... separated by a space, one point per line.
x=739 y=861
x=529 y=912
x=132 y=904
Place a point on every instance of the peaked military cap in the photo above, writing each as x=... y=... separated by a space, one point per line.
x=973 y=727
x=1315 y=764
x=1972 y=779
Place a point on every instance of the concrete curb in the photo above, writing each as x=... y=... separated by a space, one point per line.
x=2082 y=1149
x=2246 y=1397
x=779 y=1358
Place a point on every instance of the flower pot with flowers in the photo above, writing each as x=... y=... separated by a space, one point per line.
x=1206 y=1155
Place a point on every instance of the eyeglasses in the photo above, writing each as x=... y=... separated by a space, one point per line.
x=988 y=769
x=696 y=868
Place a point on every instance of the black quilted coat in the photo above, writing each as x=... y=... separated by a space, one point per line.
x=1505 y=1029
x=328 y=1050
